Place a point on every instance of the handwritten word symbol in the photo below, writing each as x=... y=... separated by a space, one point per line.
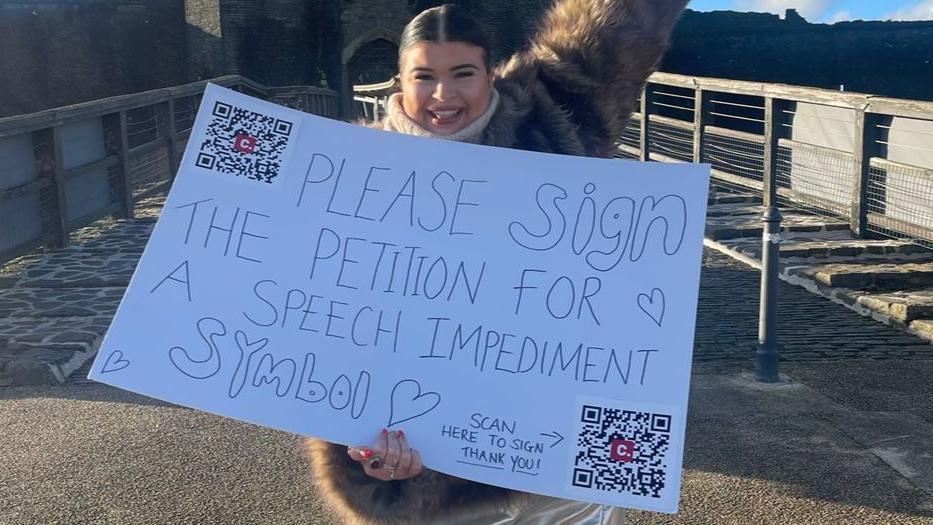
x=408 y=402
x=653 y=305
x=114 y=362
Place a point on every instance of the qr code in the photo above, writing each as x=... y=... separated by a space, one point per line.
x=244 y=143
x=622 y=451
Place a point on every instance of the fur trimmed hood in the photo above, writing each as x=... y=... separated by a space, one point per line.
x=571 y=92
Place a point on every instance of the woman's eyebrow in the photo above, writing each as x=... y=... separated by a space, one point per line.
x=463 y=66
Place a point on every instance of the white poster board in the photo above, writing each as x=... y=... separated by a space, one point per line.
x=526 y=318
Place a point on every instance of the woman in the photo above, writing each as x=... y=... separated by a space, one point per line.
x=569 y=93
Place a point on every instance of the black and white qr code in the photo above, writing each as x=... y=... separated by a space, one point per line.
x=622 y=451
x=244 y=143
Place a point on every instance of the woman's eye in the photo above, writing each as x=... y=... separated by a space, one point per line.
x=464 y=74
x=423 y=77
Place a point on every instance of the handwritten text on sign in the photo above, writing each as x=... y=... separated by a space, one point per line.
x=526 y=318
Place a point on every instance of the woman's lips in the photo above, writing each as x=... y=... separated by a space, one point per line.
x=445 y=117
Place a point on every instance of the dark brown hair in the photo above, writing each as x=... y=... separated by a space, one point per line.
x=446 y=23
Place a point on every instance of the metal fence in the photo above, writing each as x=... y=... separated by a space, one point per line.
x=67 y=167
x=863 y=159
x=369 y=100
x=858 y=158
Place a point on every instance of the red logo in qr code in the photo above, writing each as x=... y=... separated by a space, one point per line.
x=244 y=143
x=622 y=450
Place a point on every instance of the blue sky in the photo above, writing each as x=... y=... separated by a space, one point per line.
x=829 y=10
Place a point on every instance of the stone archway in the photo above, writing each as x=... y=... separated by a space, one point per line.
x=368 y=56
x=376 y=33
x=374 y=62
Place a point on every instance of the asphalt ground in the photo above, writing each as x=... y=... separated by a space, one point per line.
x=79 y=454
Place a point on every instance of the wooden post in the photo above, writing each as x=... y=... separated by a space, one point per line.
x=643 y=134
x=165 y=118
x=700 y=103
x=115 y=144
x=49 y=164
x=772 y=134
x=865 y=133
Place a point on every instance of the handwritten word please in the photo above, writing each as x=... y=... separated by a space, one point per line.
x=429 y=203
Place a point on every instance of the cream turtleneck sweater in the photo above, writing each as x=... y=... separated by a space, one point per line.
x=396 y=120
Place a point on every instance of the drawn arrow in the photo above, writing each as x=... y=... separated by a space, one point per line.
x=554 y=435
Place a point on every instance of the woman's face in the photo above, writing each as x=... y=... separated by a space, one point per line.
x=445 y=86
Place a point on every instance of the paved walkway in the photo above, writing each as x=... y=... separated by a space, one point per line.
x=810 y=327
x=844 y=444
x=56 y=305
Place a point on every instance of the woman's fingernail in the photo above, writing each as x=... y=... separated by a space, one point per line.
x=401 y=434
x=385 y=431
x=366 y=454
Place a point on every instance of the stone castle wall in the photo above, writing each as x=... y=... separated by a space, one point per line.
x=56 y=52
x=59 y=52
x=886 y=58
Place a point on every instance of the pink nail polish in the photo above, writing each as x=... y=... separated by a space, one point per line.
x=401 y=434
x=385 y=431
x=366 y=454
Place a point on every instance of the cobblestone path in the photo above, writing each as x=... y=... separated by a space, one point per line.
x=809 y=327
x=56 y=305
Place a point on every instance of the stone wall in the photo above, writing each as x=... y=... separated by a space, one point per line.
x=57 y=53
x=885 y=58
x=274 y=42
x=205 y=45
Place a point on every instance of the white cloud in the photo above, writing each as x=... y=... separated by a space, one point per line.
x=919 y=11
x=841 y=16
x=809 y=9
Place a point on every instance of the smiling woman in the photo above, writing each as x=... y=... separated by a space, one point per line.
x=445 y=86
x=570 y=92
x=446 y=78
x=445 y=71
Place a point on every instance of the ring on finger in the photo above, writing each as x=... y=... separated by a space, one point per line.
x=376 y=463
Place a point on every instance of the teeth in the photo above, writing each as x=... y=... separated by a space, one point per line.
x=443 y=115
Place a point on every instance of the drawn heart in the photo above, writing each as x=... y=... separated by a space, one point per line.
x=114 y=362
x=408 y=402
x=653 y=305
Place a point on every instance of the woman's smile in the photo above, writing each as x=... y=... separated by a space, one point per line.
x=445 y=117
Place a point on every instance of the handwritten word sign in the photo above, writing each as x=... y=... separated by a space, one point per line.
x=526 y=318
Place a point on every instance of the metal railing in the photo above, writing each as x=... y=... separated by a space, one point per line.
x=858 y=158
x=66 y=167
x=863 y=159
x=370 y=99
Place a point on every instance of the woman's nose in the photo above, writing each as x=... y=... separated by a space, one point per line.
x=444 y=91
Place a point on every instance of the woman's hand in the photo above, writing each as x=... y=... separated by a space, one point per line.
x=390 y=459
